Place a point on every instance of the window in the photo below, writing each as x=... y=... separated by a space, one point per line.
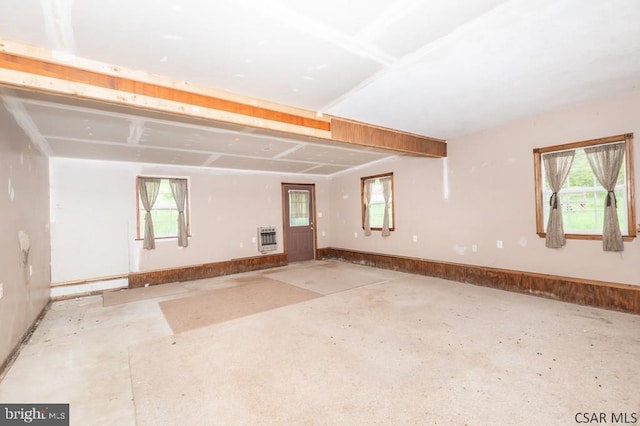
x=582 y=196
x=299 y=207
x=164 y=211
x=377 y=202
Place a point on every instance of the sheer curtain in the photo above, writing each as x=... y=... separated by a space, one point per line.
x=368 y=194
x=299 y=208
x=606 y=161
x=556 y=166
x=179 y=191
x=386 y=193
x=148 y=189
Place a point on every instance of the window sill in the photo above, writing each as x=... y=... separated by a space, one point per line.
x=162 y=238
x=588 y=237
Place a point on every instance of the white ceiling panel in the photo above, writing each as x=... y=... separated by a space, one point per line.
x=335 y=156
x=536 y=58
x=52 y=120
x=436 y=68
x=349 y=17
x=203 y=139
x=24 y=21
x=326 y=170
x=247 y=163
x=428 y=22
x=94 y=151
x=224 y=46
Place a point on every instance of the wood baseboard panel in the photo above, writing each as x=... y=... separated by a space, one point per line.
x=89 y=280
x=600 y=294
x=207 y=270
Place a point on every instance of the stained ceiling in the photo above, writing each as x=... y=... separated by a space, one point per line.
x=430 y=67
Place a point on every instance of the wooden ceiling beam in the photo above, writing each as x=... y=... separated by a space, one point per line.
x=61 y=79
x=42 y=73
x=379 y=137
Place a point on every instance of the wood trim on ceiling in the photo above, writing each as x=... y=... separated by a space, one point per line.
x=137 y=87
x=383 y=138
x=42 y=74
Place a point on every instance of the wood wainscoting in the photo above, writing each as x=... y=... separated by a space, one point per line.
x=206 y=270
x=600 y=294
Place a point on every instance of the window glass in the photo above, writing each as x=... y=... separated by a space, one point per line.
x=299 y=208
x=164 y=213
x=582 y=197
x=375 y=185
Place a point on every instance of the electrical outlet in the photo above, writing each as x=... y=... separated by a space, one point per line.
x=499 y=243
x=415 y=238
x=474 y=248
x=1 y=290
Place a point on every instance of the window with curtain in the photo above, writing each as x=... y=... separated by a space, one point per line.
x=594 y=199
x=377 y=203
x=169 y=212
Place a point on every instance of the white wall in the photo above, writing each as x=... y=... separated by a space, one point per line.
x=93 y=217
x=488 y=195
x=481 y=193
x=24 y=207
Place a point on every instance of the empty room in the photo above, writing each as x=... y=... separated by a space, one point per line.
x=335 y=213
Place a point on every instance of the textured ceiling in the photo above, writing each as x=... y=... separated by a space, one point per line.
x=436 y=68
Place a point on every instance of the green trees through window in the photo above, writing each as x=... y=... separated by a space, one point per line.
x=582 y=196
x=374 y=202
x=164 y=213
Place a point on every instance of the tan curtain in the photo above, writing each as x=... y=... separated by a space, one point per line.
x=179 y=191
x=556 y=166
x=606 y=161
x=148 y=189
x=386 y=193
x=368 y=194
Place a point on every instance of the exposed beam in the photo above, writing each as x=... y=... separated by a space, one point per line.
x=122 y=84
x=380 y=137
x=33 y=69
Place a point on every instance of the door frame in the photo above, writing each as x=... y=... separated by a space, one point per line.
x=312 y=213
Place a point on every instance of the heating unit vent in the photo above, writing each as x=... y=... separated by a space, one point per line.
x=267 y=240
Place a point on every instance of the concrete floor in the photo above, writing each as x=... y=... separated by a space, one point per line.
x=379 y=347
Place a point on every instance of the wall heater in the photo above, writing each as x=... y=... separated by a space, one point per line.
x=267 y=240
